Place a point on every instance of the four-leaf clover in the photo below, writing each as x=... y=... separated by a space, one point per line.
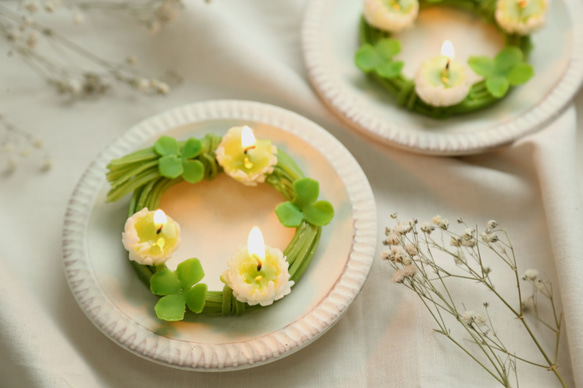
x=178 y=289
x=304 y=206
x=175 y=160
x=378 y=58
x=507 y=68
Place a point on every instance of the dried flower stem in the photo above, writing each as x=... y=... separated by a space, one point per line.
x=21 y=31
x=420 y=270
x=16 y=142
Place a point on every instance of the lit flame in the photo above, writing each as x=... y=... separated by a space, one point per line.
x=447 y=49
x=159 y=220
x=247 y=138
x=255 y=244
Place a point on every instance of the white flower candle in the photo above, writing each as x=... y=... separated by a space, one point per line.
x=151 y=237
x=441 y=81
x=391 y=15
x=258 y=274
x=520 y=16
x=245 y=158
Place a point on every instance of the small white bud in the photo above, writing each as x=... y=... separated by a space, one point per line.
x=31 y=6
x=492 y=224
x=47 y=164
x=50 y=6
x=78 y=18
x=38 y=143
x=531 y=274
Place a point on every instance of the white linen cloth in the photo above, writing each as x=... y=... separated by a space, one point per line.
x=251 y=50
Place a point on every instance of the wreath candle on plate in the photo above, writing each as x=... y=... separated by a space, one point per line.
x=150 y=237
x=520 y=16
x=245 y=158
x=258 y=274
x=441 y=81
x=391 y=15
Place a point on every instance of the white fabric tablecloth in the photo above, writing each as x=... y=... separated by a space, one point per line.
x=251 y=50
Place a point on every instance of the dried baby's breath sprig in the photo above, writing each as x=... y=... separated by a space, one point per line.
x=153 y=14
x=17 y=144
x=422 y=263
x=74 y=70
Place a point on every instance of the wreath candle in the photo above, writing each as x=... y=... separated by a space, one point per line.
x=258 y=274
x=391 y=15
x=521 y=16
x=376 y=57
x=253 y=280
x=441 y=81
x=150 y=237
x=245 y=158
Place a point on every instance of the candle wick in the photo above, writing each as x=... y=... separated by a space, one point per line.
x=247 y=149
x=447 y=65
x=159 y=229
x=258 y=262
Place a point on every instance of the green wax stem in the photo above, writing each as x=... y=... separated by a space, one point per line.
x=303 y=253
x=226 y=304
x=153 y=202
x=118 y=177
x=214 y=296
x=138 y=156
x=211 y=168
x=144 y=272
x=277 y=179
x=129 y=186
x=289 y=166
x=387 y=84
x=412 y=100
x=284 y=174
x=141 y=203
x=309 y=253
x=301 y=238
x=213 y=302
x=405 y=93
x=133 y=202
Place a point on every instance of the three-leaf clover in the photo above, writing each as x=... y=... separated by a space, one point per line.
x=304 y=206
x=178 y=289
x=378 y=58
x=175 y=160
x=507 y=68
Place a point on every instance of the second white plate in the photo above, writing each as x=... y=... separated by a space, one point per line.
x=330 y=40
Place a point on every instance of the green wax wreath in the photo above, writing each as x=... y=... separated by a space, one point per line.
x=148 y=173
x=507 y=69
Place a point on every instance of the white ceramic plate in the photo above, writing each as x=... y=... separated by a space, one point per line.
x=330 y=39
x=215 y=218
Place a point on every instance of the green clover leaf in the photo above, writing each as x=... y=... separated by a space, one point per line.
x=304 y=206
x=193 y=170
x=176 y=161
x=178 y=288
x=170 y=166
x=378 y=58
x=289 y=215
x=191 y=148
x=171 y=307
x=166 y=145
x=506 y=69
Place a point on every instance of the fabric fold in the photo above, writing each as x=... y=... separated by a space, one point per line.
x=555 y=160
